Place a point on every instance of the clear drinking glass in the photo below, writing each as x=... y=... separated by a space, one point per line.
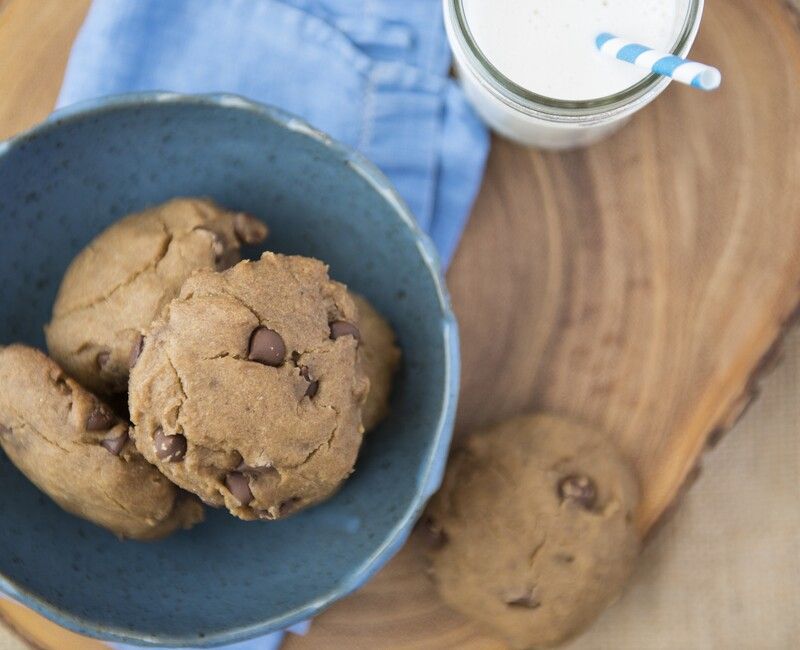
x=539 y=121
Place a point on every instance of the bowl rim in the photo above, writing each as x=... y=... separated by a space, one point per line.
x=429 y=475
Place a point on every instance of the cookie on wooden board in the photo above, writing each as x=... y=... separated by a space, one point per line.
x=534 y=529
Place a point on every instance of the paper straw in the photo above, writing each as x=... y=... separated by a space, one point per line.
x=691 y=73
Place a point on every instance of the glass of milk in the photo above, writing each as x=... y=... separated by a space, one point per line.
x=534 y=74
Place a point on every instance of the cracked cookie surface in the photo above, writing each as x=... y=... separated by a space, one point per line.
x=249 y=387
x=119 y=283
x=532 y=529
x=380 y=357
x=73 y=448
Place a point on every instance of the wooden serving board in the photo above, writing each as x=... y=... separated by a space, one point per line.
x=640 y=285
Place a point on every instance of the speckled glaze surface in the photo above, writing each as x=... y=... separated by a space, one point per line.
x=226 y=580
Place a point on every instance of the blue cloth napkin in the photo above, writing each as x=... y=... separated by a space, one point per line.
x=371 y=73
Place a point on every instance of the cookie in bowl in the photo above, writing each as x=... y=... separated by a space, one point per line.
x=249 y=388
x=119 y=283
x=77 y=451
x=380 y=358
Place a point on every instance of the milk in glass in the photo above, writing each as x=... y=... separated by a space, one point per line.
x=533 y=72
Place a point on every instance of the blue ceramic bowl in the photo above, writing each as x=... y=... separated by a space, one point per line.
x=225 y=580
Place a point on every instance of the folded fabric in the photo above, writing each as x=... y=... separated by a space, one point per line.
x=372 y=73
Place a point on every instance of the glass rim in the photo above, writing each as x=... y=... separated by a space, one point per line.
x=552 y=108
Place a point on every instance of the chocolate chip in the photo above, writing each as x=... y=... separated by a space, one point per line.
x=100 y=419
x=170 y=449
x=115 y=445
x=312 y=389
x=239 y=486
x=288 y=506
x=313 y=384
x=343 y=328
x=580 y=489
x=102 y=359
x=136 y=350
x=521 y=597
x=249 y=229
x=267 y=347
x=4 y=430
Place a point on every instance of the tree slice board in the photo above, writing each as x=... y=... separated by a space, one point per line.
x=639 y=286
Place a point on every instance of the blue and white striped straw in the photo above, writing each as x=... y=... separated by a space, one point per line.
x=699 y=75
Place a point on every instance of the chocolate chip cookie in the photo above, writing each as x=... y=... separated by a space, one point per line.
x=248 y=389
x=76 y=450
x=380 y=357
x=533 y=529
x=119 y=283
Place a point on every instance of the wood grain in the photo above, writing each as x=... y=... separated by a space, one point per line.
x=35 y=37
x=636 y=285
x=39 y=633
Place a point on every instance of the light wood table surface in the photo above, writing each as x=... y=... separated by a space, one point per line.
x=639 y=285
